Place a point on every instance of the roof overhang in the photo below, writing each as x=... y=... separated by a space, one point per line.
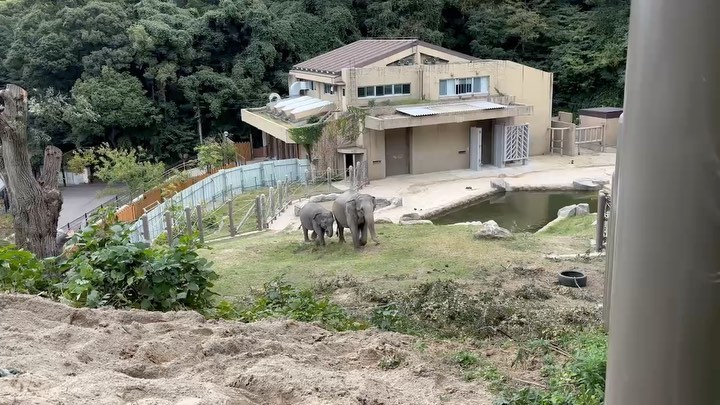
x=350 y=150
x=444 y=114
x=265 y=123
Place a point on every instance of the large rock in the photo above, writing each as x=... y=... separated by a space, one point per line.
x=587 y=184
x=416 y=222
x=567 y=212
x=491 y=230
x=499 y=184
x=582 y=210
x=382 y=202
x=396 y=202
x=472 y=223
x=323 y=198
x=413 y=216
x=383 y=221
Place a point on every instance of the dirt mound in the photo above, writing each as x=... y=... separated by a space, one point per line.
x=89 y=356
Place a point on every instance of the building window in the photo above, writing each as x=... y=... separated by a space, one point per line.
x=328 y=89
x=343 y=91
x=384 y=90
x=468 y=85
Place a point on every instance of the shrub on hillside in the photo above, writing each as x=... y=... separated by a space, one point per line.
x=278 y=299
x=22 y=272
x=104 y=267
x=581 y=381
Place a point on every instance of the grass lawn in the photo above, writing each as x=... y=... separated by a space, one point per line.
x=493 y=306
x=405 y=255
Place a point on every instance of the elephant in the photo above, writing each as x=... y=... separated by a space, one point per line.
x=356 y=212
x=318 y=219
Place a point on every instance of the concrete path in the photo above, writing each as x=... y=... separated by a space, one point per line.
x=77 y=200
x=429 y=192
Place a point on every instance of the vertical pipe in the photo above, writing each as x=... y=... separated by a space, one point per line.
x=665 y=314
x=201 y=226
x=329 y=179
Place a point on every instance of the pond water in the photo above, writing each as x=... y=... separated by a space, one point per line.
x=519 y=211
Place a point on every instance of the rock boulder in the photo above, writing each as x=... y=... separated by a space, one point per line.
x=499 y=184
x=383 y=221
x=417 y=222
x=323 y=198
x=582 y=210
x=567 y=212
x=413 y=216
x=491 y=230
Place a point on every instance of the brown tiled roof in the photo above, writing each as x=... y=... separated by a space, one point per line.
x=364 y=52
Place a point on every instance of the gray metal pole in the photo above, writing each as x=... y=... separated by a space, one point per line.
x=665 y=315
x=600 y=223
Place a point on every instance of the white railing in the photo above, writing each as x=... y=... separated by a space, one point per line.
x=587 y=135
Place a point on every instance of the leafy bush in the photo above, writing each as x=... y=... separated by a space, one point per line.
x=280 y=299
x=106 y=268
x=22 y=272
x=581 y=381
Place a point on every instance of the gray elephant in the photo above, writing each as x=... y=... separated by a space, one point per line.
x=314 y=217
x=356 y=212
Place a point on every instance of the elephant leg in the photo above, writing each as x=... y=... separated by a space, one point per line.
x=313 y=235
x=373 y=235
x=318 y=234
x=363 y=230
x=305 y=233
x=340 y=233
x=354 y=231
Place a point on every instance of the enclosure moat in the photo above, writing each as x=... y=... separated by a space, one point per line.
x=519 y=211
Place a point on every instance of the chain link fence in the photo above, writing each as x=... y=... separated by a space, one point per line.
x=243 y=200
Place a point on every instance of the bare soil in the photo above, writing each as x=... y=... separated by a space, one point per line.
x=90 y=356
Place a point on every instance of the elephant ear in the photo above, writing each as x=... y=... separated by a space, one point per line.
x=350 y=206
x=374 y=204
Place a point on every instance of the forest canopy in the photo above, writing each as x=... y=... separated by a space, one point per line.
x=154 y=72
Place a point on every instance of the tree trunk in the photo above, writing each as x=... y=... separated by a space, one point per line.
x=35 y=203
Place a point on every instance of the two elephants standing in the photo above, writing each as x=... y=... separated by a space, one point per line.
x=350 y=210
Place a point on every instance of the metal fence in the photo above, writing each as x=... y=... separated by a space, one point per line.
x=242 y=199
x=603 y=219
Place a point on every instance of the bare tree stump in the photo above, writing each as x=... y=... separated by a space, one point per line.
x=35 y=203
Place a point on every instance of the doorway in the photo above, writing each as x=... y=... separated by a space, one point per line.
x=397 y=152
x=486 y=141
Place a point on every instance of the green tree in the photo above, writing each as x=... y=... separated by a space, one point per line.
x=120 y=167
x=119 y=101
x=214 y=154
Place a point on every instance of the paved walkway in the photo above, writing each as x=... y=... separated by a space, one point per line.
x=77 y=200
x=429 y=192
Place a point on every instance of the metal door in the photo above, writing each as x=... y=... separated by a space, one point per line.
x=397 y=159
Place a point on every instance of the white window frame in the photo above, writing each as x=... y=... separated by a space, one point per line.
x=384 y=87
x=465 y=81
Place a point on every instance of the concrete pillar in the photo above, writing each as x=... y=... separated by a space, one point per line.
x=665 y=314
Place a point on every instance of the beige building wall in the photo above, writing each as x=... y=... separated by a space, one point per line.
x=364 y=77
x=375 y=147
x=435 y=148
x=528 y=85
x=612 y=127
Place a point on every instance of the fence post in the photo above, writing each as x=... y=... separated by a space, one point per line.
x=168 y=227
x=201 y=227
x=145 y=227
x=231 y=219
x=600 y=228
x=259 y=212
x=351 y=170
x=271 y=197
x=329 y=178
x=307 y=182
x=188 y=219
